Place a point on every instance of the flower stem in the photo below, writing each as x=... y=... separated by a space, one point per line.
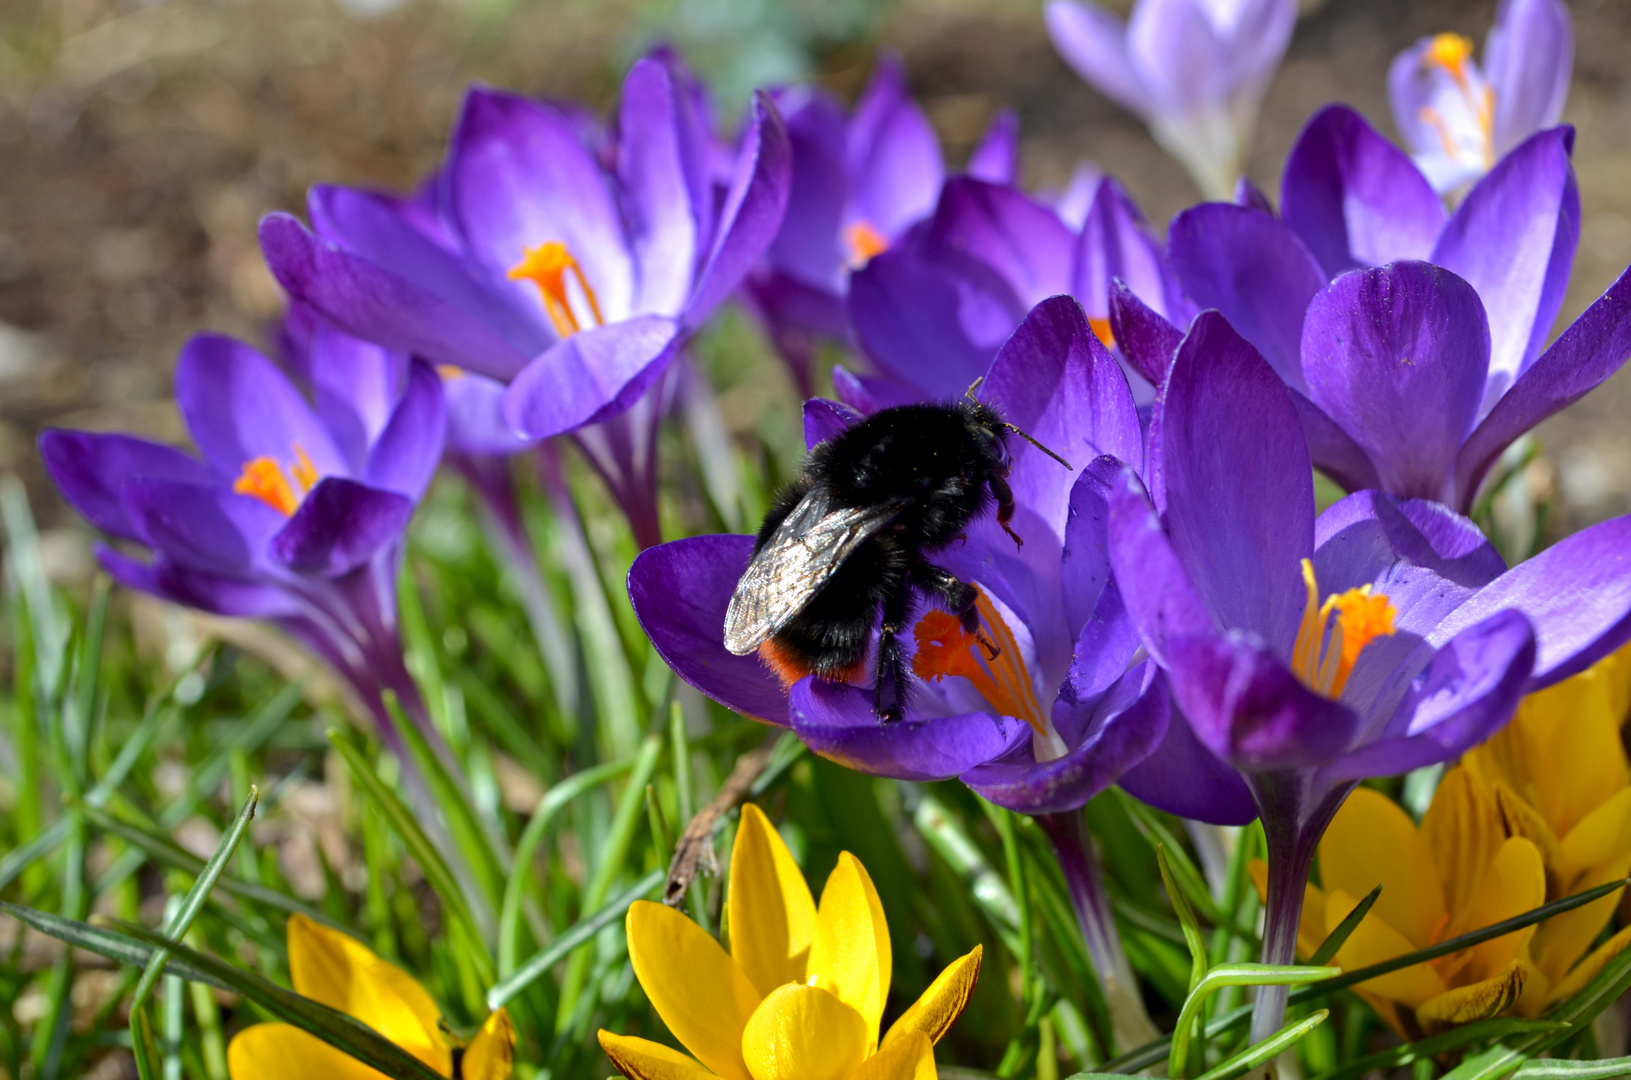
x=1129 y=1021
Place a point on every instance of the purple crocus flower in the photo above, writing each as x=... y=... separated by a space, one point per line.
x=1409 y=378
x=858 y=184
x=295 y=512
x=1307 y=654
x=1459 y=120
x=1194 y=70
x=1063 y=709
x=564 y=263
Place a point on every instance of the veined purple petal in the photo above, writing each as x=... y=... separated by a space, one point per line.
x=89 y=469
x=590 y=376
x=406 y=455
x=201 y=526
x=1085 y=569
x=651 y=167
x=355 y=385
x=824 y=419
x=1144 y=337
x=374 y=303
x=907 y=314
x=1466 y=695
x=806 y=246
x=1002 y=241
x=996 y=156
x=475 y=416
x=891 y=155
x=752 y=210
x=1594 y=347
x=1252 y=268
x=1094 y=43
x=1161 y=599
x=866 y=394
x=680 y=591
x=1185 y=778
x=217 y=595
x=1397 y=356
x=836 y=720
x=1238 y=481
x=1513 y=239
x=1528 y=57
x=340 y=525
x=1333 y=450
x=238 y=406
x=1354 y=198
x=519 y=177
x=1117 y=243
x=1247 y=707
x=1576 y=594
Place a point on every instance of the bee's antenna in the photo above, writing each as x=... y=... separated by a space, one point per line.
x=1036 y=444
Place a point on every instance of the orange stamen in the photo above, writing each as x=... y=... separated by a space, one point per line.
x=546 y=266
x=1101 y=330
x=264 y=479
x=943 y=648
x=1450 y=52
x=864 y=242
x=449 y=372
x=1326 y=650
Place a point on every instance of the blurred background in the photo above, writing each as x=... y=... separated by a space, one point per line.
x=141 y=140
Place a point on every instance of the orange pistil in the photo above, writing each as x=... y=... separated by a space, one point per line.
x=264 y=479
x=863 y=242
x=1326 y=649
x=546 y=266
x=1101 y=330
x=943 y=648
x=1451 y=52
x=449 y=372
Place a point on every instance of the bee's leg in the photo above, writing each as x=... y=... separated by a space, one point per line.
x=955 y=596
x=1005 y=505
x=897 y=606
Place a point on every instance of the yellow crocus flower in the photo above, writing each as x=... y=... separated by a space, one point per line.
x=800 y=994
x=342 y=973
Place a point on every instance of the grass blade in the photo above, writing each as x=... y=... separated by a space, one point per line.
x=120 y=948
x=1233 y=975
x=1270 y=1048
x=1350 y=922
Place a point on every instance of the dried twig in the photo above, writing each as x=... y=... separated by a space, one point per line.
x=695 y=851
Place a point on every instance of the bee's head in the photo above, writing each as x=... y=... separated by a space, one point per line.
x=986 y=427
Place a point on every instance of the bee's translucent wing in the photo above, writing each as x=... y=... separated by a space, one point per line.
x=804 y=551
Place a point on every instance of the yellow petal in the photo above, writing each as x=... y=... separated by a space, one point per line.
x=1602 y=838
x=804 y=1033
x=1373 y=941
x=281 y=1051
x=1588 y=968
x=642 y=1059
x=850 y=954
x=344 y=974
x=1311 y=926
x=1521 y=818
x=693 y=984
x=1561 y=940
x=772 y=914
x=910 y=1057
x=942 y=1003
x=492 y=1052
x=1515 y=883
x=1478 y=1001
x=1575 y=727
x=1464 y=831
x=1373 y=841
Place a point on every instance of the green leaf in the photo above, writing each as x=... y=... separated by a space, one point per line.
x=141 y=1041
x=1186 y=919
x=1554 y=1069
x=1350 y=922
x=1234 y=975
x=562 y=946
x=1456 y=1038
x=1270 y=1048
x=120 y=948
x=193 y=902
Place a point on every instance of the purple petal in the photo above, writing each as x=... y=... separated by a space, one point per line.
x=1252 y=268
x=1119 y=735
x=1249 y=709
x=1527 y=58
x=475 y=417
x=1094 y=43
x=1397 y=356
x=1116 y=242
x=374 y=303
x=409 y=449
x=518 y=177
x=1354 y=198
x=1593 y=347
x=825 y=419
x=1200 y=56
x=806 y=246
x=1057 y=383
x=201 y=526
x=238 y=406
x=680 y=591
x=1161 y=599
x=340 y=525
x=1576 y=594
x=892 y=157
x=752 y=209
x=1333 y=450
x=1251 y=196
x=1085 y=569
x=652 y=169
x=1144 y=337
x=590 y=376
x=1513 y=239
x=907 y=315
x=1073 y=201
x=866 y=394
x=996 y=156
x=1466 y=695
x=836 y=721
x=89 y=469
x=355 y=385
x=190 y=588
x=1003 y=242
x=1184 y=778
x=1238 y=482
